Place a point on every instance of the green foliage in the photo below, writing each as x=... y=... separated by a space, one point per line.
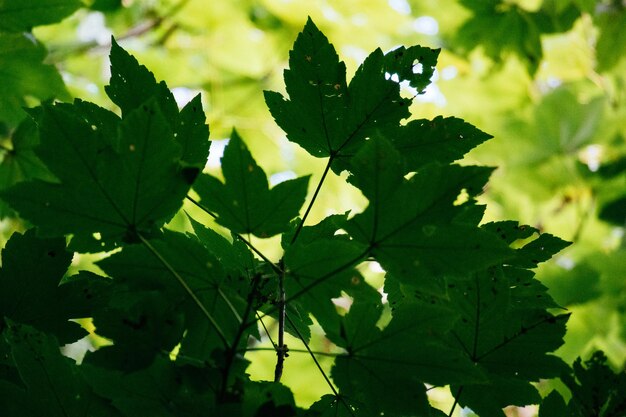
x=24 y=74
x=19 y=16
x=188 y=305
x=596 y=391
x=183 y=310
x=116 y=177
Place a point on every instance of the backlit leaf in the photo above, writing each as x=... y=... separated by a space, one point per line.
x=30 y=293
x=244 y=203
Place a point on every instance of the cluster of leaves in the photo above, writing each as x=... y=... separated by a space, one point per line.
x=182 y=309
x=518 y=31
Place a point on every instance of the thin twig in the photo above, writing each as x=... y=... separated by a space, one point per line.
x=281 y=349
x=141 y=28
x=186 y=287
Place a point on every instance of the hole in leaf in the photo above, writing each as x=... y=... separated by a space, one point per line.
x=462 y=198
x=418 y=68
x=392 y=76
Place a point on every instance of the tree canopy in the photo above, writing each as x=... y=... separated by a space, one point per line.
x=352 y=150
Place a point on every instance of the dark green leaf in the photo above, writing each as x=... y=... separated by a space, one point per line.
x=244 y=203
x=53 y=385
x=234 y=257
x=408 y=351
x=614 y=211
x=29 y=285
x=318 y=272
x=23 y=15
x=162 y=390
x=328 y=118
x=133 y=84
x=15 y=401
x=314 y=115
x=142 y=324
x=106 y=5
x=116 y=191
x=442 y=140
x=409 y=224
x=509 y=336
x=332 y=406
x=510 y=231
x=20 y=163
x=325 y=229
x=262 y=398
x=539 y=250
x=553 y=406
x=223 y=295
x=596 y=389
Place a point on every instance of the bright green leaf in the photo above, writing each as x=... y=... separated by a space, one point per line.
x=24 y=75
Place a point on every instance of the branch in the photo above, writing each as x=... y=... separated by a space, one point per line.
x=141 y=28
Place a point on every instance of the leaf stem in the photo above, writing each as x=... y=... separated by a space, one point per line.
x=267 y=332
x=456 y=400
x=315 y=194
x=330 y=384
x=186 y=287
x=230 y=305
x=230 y=355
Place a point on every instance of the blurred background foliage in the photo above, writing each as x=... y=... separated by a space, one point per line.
x=545 y=77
